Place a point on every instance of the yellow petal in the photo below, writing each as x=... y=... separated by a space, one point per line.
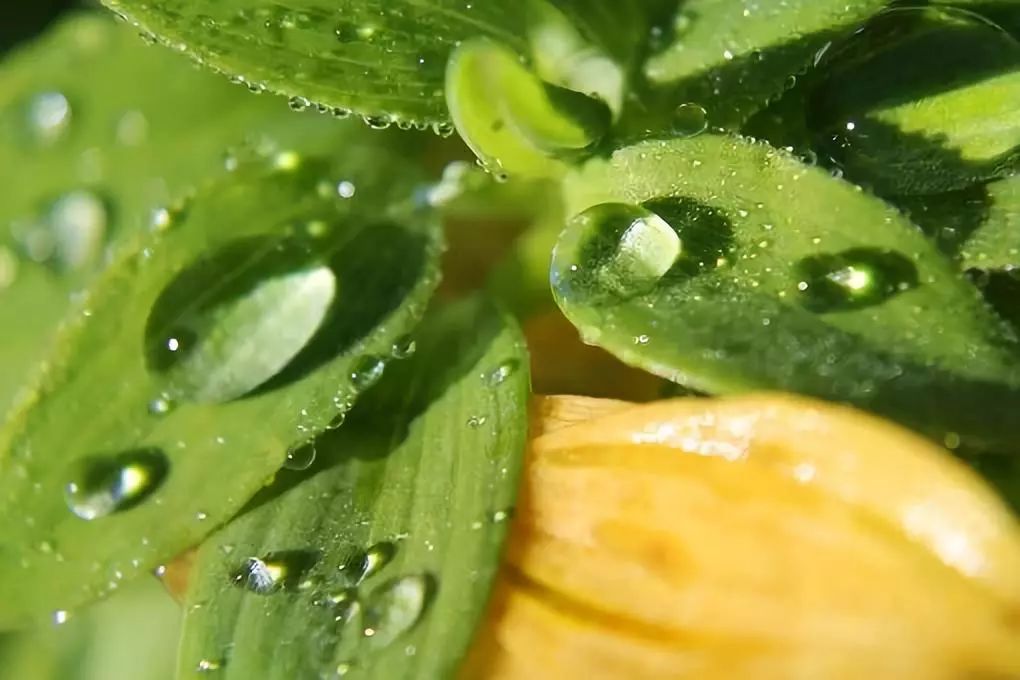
x=755 y=537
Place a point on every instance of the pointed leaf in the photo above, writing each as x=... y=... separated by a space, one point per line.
x=257 y=314
x=728 y=265
x=379 y=58
x=377 y=562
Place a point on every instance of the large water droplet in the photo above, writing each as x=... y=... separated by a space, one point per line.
x=852 y=279
x=104 y=485
x=235 y=319
x=403 y=347
x=395 y=607
x=689 y=120
x=49 y=116
x=628 y=250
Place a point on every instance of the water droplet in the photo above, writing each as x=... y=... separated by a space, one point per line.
x=689 y=120
x=300 y=456
x=132 y=129
x=951 y=440
x=77 y=223
x=49 y=116
x=498 y=375
x=207 y=665
x=633 y=247
x=403 y=347
x=345 y=189
x=338 y=421
x=367 y=371
x=343 y=669
x=276 y=571
x=161 y=405
x=364 y=565
x=395 y=607
x=474 y=422
x=298 y=103
x=104 y=485
x=500 y=516
x=60 y=617
x=212 y=342
x=378 y=122
x=855 y=278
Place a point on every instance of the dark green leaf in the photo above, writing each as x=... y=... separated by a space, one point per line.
x=98 y=130
x=922 y=101
x=131 y=636
x=996 y=243
x=254 y=316
x=383 y=59
x=785 y=279
x=731 y=58
x=378 y=561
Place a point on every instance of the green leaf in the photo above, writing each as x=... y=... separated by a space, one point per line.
x=133 y=635
x=102 y=131
x=196 y=361
x=996 y=243
x=922 y=101
x=731 y=58
x=396 y=530
x=383 y=59
x=785 y=278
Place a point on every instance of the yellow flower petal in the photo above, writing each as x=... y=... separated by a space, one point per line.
x=755 y=537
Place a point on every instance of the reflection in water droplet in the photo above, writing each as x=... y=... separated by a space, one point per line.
x=395 y=607
x=105 y=485
x=367 y=371
x=852 y=279
x=403 y=347
x=689 y=120
x=300 y=456
x=260 y=576
x=49 y=116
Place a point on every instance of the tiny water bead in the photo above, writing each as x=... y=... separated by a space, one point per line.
x=395 y=607
x=852 y=279
x=367 y=372
x=364 y=565
x=108 y=484
x=300 y=456
x=403 y=347
x=689 y=120
x=276 y=571
x=499 y=375
x=161 y=405
x=621 y=248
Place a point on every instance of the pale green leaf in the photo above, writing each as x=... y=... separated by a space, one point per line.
x=98 y=131
x=249 y=321
x=732 y=266
x=377 y=562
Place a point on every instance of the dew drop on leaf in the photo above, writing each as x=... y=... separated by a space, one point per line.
x=689 y=120
x=395 y=607
x=852 y=279
x=300 y=456
x=367 y=372
x=364 y=565
x=498 y=375
x=77 y=222
x=104 y=485
x=403 y=347
x=214 y=338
